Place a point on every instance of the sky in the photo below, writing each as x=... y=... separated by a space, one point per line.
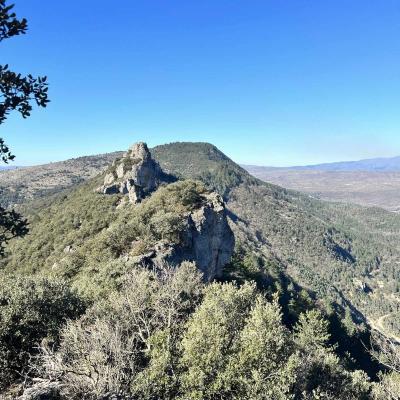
x=269 y=82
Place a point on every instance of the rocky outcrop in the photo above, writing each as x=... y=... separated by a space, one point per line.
x=208 y=241
x=136 y=174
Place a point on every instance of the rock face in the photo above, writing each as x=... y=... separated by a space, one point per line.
x=136 y=174
x=208 y=241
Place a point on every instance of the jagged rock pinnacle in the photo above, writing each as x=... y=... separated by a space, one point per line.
x=136 y=174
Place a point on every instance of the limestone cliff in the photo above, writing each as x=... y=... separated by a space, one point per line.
x=136 y=174
x=207 y=240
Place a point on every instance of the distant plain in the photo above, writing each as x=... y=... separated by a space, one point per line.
x=372 y=188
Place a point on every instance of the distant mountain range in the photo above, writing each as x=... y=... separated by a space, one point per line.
x=371 y=164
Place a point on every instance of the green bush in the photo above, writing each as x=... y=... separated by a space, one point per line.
x=84 y=236
x=166 y=335
x=31 y=309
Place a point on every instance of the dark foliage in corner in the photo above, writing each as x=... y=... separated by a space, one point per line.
x=9 y=24
x=17 y=93
x=12 y=225
x=31 y=309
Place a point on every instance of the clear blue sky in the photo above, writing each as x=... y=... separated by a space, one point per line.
x=268 y=82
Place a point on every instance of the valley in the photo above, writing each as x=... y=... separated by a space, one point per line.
x=368 y=188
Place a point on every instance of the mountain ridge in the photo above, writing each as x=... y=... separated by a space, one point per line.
x=345 y=253
x=366 y=164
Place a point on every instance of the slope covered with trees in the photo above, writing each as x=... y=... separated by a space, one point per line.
x=289 y=318
x=346 y=252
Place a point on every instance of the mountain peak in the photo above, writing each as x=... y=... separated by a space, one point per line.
x=136 y=174
x=138 y=150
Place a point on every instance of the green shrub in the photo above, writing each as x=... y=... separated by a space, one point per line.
x=31 y=309
x=166 y=335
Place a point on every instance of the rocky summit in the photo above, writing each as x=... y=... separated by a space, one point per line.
x=136 y=174
x=207 y=239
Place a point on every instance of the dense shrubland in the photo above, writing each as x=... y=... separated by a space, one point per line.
x=284 y=322
x=82 y=236
x=31 y=309
x=165 y=334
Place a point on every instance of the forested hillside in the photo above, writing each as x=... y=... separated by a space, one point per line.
x=350 y=252
x=320 y=243
x=288 y=317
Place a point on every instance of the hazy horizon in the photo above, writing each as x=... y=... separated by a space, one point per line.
x=249 y=164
